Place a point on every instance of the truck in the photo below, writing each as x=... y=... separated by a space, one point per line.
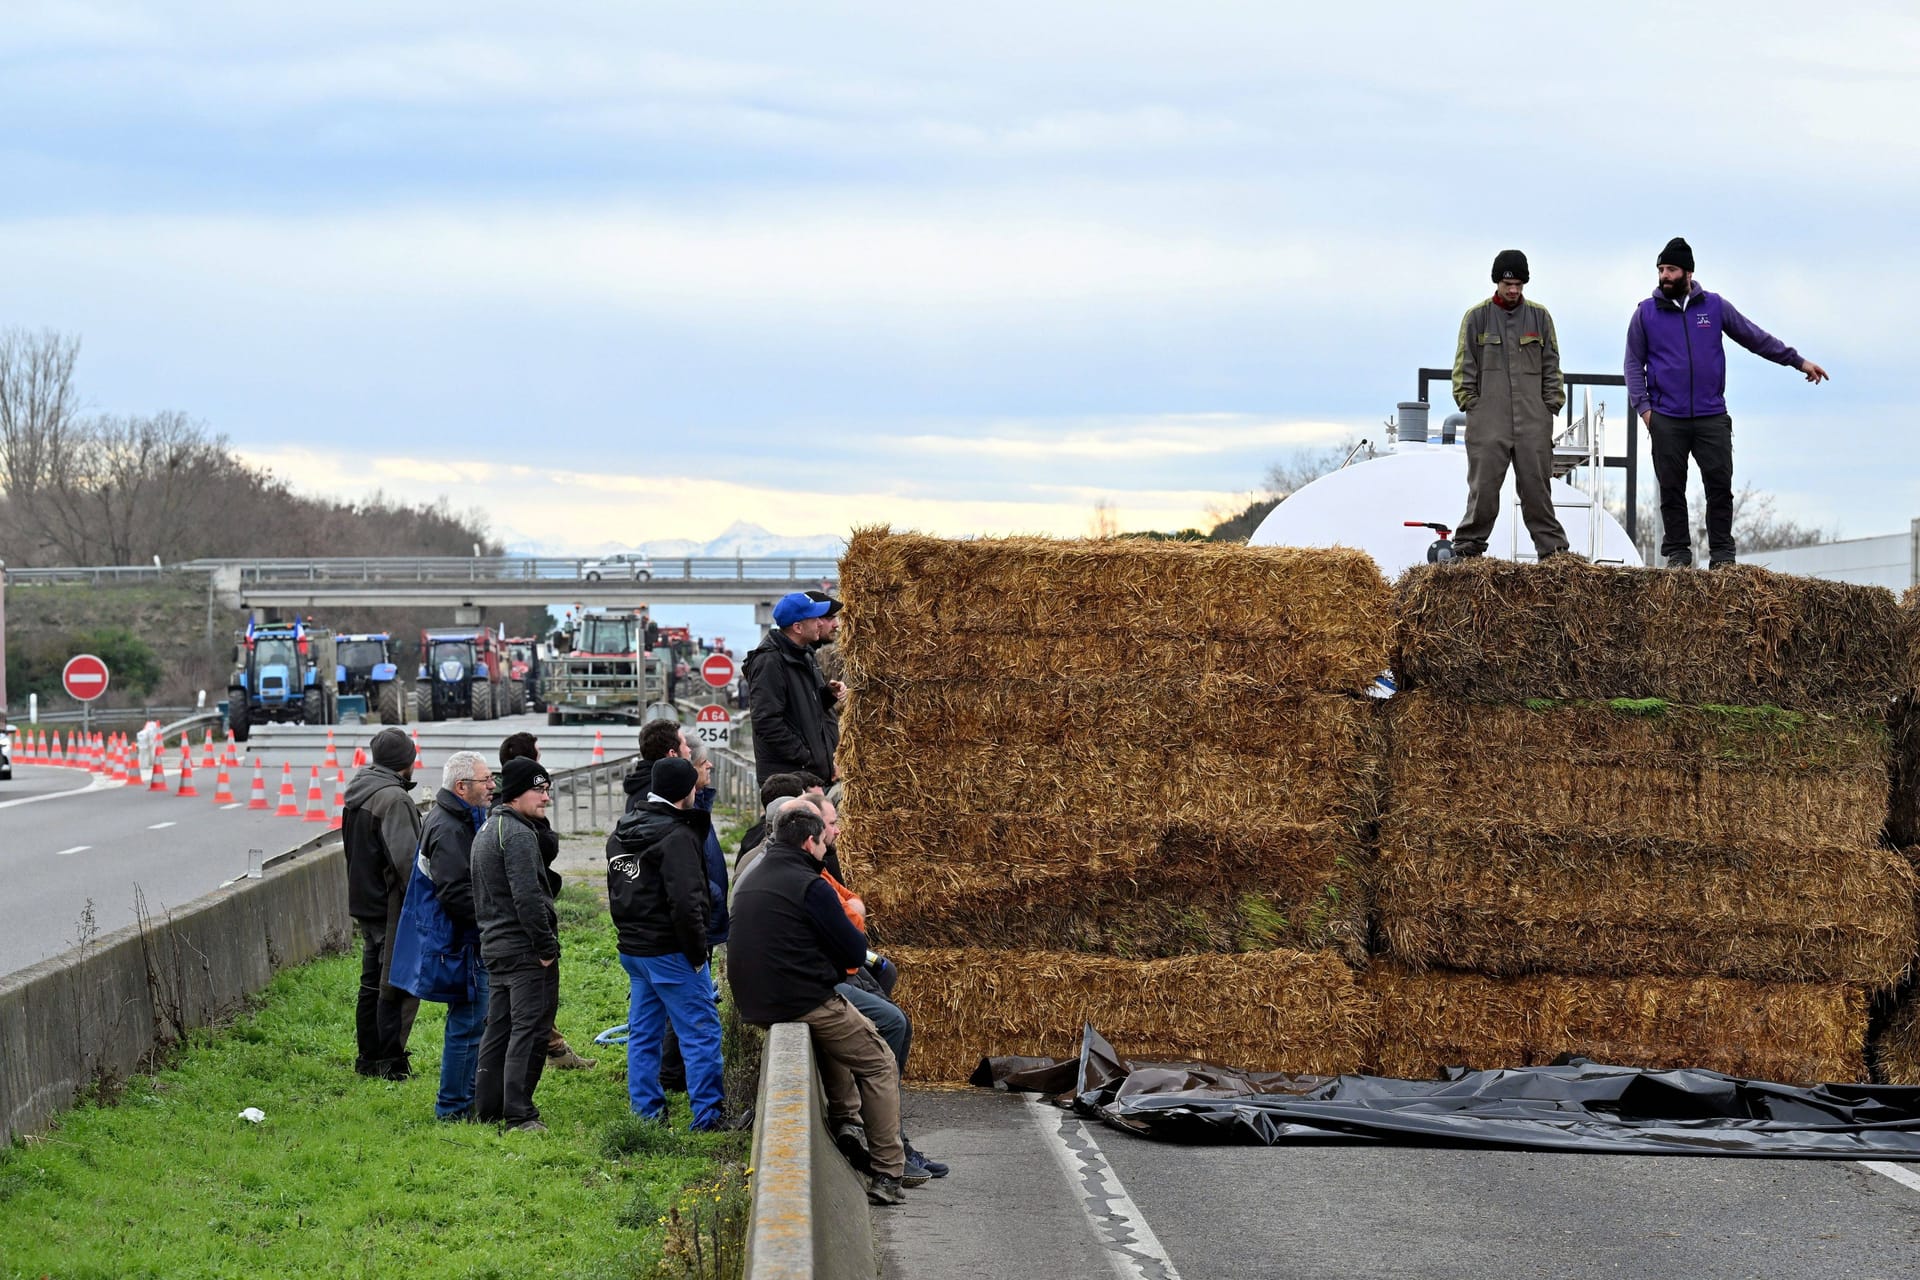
x=283 y=674
x=463 y=672
x=364 y=667
x=602 y=671
x=523 y=657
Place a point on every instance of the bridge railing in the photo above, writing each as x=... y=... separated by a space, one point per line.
x=521 y=569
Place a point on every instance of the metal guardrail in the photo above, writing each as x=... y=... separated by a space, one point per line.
x=116 y=715
x=95 y=575
x=592 y=797
x=370 y=569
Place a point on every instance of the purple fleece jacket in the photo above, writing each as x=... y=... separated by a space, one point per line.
x=1676 y=363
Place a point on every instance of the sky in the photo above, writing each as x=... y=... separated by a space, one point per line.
x=613 y=273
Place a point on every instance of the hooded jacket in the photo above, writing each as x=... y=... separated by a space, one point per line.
x=511 y=901
x=446 y=842
x=380 y=830
x=796 y=722
x=1676 y=362
x=657 y=887
x=638 y=785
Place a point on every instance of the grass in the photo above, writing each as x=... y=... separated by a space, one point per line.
x=354 y=1177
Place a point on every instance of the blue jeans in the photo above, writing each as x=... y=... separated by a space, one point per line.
x=887 y=1018
x=460 y=1054
x=665 y=989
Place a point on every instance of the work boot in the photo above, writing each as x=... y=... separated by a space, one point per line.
x=1679 y=562
x=527 y=1126
x=852 y=1141
x=565 y=1059
x=914 y=1175
x=885 y=1190
x=1720 y=564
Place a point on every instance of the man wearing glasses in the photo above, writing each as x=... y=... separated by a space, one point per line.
x=446 y=846
x=520 y=943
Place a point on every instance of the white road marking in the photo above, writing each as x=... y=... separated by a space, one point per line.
x=98 y=784
x=160 y=826
x=224 y=807
x=1898 y=1172
x=79 y=848
x=1132 y=1249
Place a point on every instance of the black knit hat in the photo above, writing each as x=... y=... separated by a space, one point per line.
x=517 y=777
x=1678 y=253
x=673 y=779
x=1510 y=262
x=392 y=749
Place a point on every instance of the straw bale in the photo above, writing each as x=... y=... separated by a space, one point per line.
x=1896 y=1048
x=1724 y=775
x=1104 y=779
x=1791 y=1032
x=1497 y=631
x=1271 y=1011
x=1510 y=900
x=1134 y=889
x=1234 y=711
x=1299 y=619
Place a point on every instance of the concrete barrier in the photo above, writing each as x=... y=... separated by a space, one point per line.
x=809 y=1216
x=99 y=1010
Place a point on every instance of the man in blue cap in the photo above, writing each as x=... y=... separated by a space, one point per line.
x=796 y=710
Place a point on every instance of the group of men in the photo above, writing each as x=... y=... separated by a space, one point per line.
x=795 y=934
x=1507 y=379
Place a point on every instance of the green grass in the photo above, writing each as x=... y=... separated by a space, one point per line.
x=354 y=1177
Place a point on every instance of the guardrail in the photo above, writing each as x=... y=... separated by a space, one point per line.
x=458 y=569
x=97 y=575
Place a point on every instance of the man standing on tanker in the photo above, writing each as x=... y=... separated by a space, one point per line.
x=1506 y=379
x=1677 y=383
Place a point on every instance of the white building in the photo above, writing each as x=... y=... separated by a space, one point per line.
x=1891 y=561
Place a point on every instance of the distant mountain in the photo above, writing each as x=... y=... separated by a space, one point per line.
x=741 y=538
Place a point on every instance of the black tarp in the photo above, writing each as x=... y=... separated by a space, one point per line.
x=1582 y=1106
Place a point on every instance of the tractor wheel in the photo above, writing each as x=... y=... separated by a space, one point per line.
x=423 y=703
x=313 y=706
x=242 y=727
x=482 y=700
x=392 y=702
x=519 y=699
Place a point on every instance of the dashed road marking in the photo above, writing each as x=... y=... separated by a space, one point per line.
x=79 y=848
x=234 y=805
x=1132 y=1249
x=161 y=826
x=1898 y=1172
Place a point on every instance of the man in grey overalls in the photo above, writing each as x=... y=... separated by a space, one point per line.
x=1506 y=377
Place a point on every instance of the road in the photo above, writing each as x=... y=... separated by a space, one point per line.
x=1137 y=1208
x=67 y=839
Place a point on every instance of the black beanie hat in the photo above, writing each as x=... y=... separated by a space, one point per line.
x=392 y=749
x=1510 y=262
x=1678 y=253
x=673 y=779
x=517 y=777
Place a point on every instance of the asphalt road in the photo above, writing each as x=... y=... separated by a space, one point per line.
x=1338 y=1212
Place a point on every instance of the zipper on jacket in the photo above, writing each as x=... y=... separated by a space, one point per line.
x=1686 y=330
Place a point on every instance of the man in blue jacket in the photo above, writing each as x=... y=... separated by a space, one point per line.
x=1677 y=383
x=446 y=843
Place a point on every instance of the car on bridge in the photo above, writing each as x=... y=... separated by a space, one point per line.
x=634 y=565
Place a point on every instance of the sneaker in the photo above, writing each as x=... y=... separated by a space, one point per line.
x=1679 y=562
x=885 y=1190
x=565 y=1059
x=527 y=1126
x=935 y=1168
x=852 y=1141
x=914 y=1175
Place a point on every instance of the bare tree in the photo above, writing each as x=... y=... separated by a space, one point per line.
x=39 y=426
x=1303 y=466
x=1757 y=525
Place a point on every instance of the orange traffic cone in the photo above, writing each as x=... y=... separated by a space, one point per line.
x=419 y=761
x=316 y=802
x=257 y=797
x=186 y=773
x=223 y=787
x=159 y=782
x=339 y=801
x=207 y=760
x=233 y=755
x=116 y=759
x=359 y=757
x=599 y=749
x=59 y=751
x=136 y=776
x=289 y=803
x=333 y=756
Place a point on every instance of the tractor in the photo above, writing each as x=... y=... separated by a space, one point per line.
x=463 y=672
x=283 y=674
x=365 y=667
x=601 y=671
x=523 y=658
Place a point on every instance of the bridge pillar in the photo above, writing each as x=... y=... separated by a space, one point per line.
x=469 y=615
x=225 y=585
x=763 y=617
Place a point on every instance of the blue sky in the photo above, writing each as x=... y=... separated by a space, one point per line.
x=615 y=273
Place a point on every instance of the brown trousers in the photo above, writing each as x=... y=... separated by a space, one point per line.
x=861 y=1078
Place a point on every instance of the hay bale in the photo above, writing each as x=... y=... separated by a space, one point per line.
x=1508 y=900
x=1495 y=631
x=1796 y=1033
x=1896 y=1048
x=1267 y=1011
x=1139 y=890
x=1640 y=769
x=1903 y=726
x=1301 y=620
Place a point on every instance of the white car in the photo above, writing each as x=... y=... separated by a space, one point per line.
x=636 y=565
x=6 y=754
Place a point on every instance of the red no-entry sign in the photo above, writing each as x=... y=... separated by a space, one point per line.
x=717 y=670
x=84 y=677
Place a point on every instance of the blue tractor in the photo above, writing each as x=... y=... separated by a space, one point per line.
x=283 y=674
x=365 y=666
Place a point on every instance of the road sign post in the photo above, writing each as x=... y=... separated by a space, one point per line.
x=713 y=726
x=85 y=679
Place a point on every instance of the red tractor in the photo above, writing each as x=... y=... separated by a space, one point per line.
x=523 y=657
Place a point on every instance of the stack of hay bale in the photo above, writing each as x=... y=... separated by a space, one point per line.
x=1896 y=1050
x=1123 y=781
x=1634 y=815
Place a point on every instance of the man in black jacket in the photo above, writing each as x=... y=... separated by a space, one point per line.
x=524 y=746
x=446 y=847
x=380 y=829
x=520 y=942
x=658 y=894
x=792 y=946
x=796 y=710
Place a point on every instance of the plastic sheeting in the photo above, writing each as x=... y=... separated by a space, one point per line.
x=1583 y=1106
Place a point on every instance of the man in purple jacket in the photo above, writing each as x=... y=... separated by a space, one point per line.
x=1677 y=383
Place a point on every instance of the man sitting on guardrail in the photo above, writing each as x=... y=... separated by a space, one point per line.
x=657 y=893
x=792 y=946
x=380 y=829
